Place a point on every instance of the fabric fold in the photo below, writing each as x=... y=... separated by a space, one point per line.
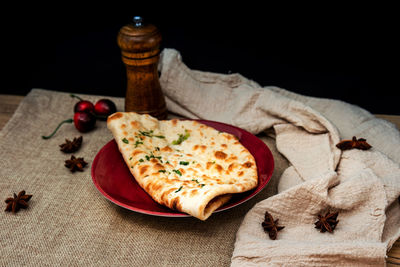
x=362 y=185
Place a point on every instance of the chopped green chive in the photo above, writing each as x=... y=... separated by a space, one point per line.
x=177 y=172
x=184 y=162
x=181 y=138
x=125 y=141
x=180 y=188
x=163 y=171
x=202 y=185
x=138 y=143
x=195 y=180
x=150 y=134
x=141 y=160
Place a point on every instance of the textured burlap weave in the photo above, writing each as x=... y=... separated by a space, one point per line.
x=70 y=223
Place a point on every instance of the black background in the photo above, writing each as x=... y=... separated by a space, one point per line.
x=340 y=52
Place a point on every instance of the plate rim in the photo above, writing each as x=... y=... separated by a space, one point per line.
x=177 y=213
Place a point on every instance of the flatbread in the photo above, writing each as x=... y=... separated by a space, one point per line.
x=183 y=164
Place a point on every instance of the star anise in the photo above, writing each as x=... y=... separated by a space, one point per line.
x=360 y=143
x=75 y=164
x=71 y=146
x=271 y=226
x=17 y=202
x=327 y=222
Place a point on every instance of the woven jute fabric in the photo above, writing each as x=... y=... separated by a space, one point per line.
x=69 y=223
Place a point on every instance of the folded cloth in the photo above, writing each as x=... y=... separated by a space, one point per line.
x=363 y=186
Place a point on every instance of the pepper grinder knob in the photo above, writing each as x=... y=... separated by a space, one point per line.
x=137 y=20
x=140 y=48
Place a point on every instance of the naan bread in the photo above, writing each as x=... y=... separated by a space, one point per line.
x=183 y=164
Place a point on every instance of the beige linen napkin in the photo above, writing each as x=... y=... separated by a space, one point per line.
x=362 y=185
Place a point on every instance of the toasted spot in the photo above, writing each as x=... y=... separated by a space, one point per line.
x=236 y=142
x=198 y=165
x=189 y=155
x=220 y=155
x=164 y=196
x=123 y=126
x=219 y=168
x=147 y=188
x=158 y=166
x=130 y=138
x=231 y=158
x=231 y=166
x=241 y=173
x=156 y=187
x=135 y=124
x=247 y=164
x=114 y=116
x=224 y=146
x=205 y=177
x=201 y=134
x=212 y=143
x=209 y=164
x=166 y=149
x=135 y=152
x=203 y=147
x=175 y=204
x=193 y=192
x=143 y=169
x=174 y=122
x=182 y=171
x=195 y=147
x=153 y=160
x=192 y=170
x=228 y=136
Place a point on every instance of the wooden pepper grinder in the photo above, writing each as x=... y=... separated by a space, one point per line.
x=140 y=49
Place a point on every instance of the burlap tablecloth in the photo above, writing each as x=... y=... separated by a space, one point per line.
x=70 y=223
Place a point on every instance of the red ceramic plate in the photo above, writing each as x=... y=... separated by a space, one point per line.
x=113 y=179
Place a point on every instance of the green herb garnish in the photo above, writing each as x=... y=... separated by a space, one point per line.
x=184 y=162
x=202 y=185
x=153 y=157
x=180 y=188
x=138 y=143
x=195 y=180
x=141 y=160
x=163 y=171
x=150 y=134
x=177 y=172
x=125 y=141
x=182 y=137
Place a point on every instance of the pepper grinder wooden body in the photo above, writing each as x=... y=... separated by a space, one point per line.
x=140 y=49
